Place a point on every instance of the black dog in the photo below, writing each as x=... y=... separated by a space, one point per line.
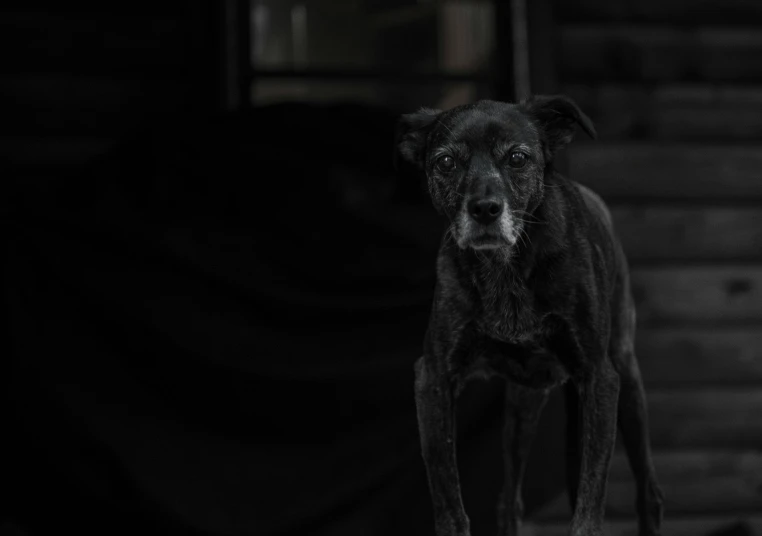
x=533 y=286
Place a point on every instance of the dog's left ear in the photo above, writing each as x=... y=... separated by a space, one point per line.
x=410 y=138
x=558 y=115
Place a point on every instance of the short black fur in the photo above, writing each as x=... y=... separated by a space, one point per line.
x=533 y=286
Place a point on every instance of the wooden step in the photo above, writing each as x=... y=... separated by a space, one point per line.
x=105 y=44
x=694 y=482
x=678 y=12
x=49 y=156
x=623 y=172
x=703 y=295
x=672 y=112
x=84 y=105
x=690 y=357
x=706 y=418
x=41 y=154
x=658 y=233
x=673 y=526
x=664 y=53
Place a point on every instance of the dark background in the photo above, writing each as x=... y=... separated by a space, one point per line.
x=216 y=283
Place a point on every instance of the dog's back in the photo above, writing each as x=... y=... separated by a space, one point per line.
x=595 y=204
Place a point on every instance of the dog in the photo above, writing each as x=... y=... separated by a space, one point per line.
x=533 y=286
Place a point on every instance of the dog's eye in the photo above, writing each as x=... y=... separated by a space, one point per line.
x=445 y=164
x=517 y=159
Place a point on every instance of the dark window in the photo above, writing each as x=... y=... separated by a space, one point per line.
x=399 y=53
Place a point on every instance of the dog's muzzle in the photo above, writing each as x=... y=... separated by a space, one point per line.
x=485 y=223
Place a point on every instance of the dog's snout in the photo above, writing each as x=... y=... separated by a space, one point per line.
x=485 y=210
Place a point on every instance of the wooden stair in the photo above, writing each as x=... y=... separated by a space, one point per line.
x=675 y=90
x=672 y=526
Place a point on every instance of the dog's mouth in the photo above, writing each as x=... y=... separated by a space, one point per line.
x=489 y=241
x=500 y=234
x=484 y=238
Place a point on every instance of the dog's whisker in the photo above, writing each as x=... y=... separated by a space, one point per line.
x=530 y=215
x=527 y=238
x=524 y=213
x=519 y=235
x=446 y=127
x=530 y=222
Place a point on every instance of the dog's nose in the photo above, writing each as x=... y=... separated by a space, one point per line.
x=485 y=210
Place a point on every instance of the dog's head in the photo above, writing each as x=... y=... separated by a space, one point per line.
x=486 y=162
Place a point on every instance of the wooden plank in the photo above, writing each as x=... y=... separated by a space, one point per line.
x=673 y=526
x=694 y=482
x=87 y=105
x=672 y=112
x=167 y=8
x=26 y=156
x=665 y=11
x=542 y=28
x=663 y=172
x=709 y=418
x=55 y=42
x=697 y=294
x=679 y=357
x=661 y=233
x=659 y=53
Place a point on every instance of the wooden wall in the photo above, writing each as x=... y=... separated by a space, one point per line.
x=675 y=89
x=76 y=78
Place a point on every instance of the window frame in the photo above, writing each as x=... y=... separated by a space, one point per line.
x=505 y=80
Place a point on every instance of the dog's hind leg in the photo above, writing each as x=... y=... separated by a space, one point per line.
x=598 y=392
x=523 y=407
x=633 y=425
x=435 y=401
x=633 y=418
x=572 y=442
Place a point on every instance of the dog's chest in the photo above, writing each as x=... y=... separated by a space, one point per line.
x=511 y=338
x=506 y=309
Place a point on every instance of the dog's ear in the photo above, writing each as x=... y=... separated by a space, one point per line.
x=557 y=115
x=410 y=137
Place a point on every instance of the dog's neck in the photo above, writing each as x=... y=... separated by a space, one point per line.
x=509 y=267
x=494 y=262
x=498 y=282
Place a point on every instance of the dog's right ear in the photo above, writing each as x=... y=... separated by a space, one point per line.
x=558 y=116
x=410 y=138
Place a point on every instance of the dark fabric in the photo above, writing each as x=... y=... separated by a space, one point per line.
x=212 y=331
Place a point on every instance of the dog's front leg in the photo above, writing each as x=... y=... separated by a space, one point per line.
x=598 y=394
x=522 y=414
x=435 y=400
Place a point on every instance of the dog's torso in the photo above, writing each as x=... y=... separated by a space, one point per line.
x=521 y=313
